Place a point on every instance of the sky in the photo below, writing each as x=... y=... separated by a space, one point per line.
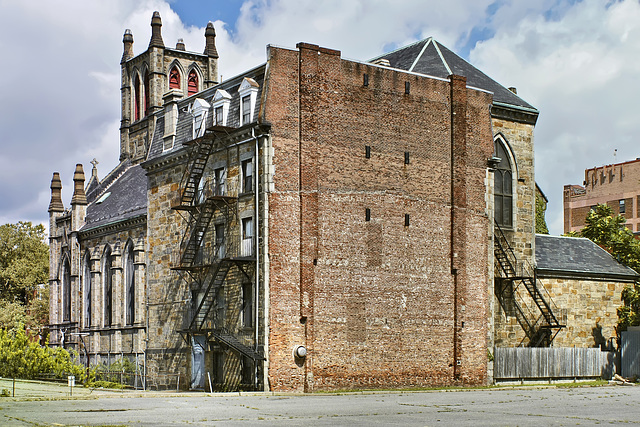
x=577 y=62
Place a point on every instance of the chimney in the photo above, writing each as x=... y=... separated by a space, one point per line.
x=79 y=197
x=56 y=198
x=514 y=90
x=127 y=40
x=210 y=46
x=180 y=45
x=156 y=31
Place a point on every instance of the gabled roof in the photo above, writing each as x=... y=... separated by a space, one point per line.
x=122 y=198
x=577 y=257
x=431 y=58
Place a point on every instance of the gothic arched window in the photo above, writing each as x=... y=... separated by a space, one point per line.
x=174 y=78
x=86 y=286
x=192 y=83
x=130 y=286
x=137 y=89
x=146 y=93
x=503 y=186
x=66 y=291
x=107 y=286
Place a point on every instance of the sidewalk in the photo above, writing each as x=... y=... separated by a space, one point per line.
x=31 y=389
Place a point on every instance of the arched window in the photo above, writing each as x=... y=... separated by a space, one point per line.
x=146 y=93
x=503 y=191
x=192 y=82
x=107 y=282
x=136 y=97
x=66 y=291
x=174 y=78
x=86 y=286
x=130 y=286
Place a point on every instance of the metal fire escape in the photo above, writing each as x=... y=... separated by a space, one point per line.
x=534 y=309
x=207 y=274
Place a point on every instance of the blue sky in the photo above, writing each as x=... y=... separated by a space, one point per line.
x=576 y=61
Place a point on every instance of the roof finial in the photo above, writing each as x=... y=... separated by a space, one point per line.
x=127 y=39
x=79 y=197
x=210 y=36
x=156 y=31
x=56 y=199
x=94 y=170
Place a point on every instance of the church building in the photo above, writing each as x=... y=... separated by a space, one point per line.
x=314 y=223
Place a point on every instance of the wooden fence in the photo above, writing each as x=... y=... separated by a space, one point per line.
x=552 y=363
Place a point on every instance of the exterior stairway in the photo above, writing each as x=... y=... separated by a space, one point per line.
x=540 y=327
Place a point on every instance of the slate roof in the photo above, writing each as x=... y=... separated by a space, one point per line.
x=184 y=131
x=431 y=58
x=577 y=257
x=127 y=199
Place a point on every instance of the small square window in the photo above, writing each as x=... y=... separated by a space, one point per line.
x=622 y=206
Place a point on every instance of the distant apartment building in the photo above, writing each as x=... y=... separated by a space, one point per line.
x=616 y=185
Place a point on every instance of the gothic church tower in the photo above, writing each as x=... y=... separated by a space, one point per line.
x=154 y=74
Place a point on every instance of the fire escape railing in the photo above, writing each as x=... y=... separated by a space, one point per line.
x=538 y=319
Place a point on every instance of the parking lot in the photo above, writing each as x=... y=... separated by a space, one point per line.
x=47 y=404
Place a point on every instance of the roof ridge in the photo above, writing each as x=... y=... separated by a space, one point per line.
x=444 y=62
x=400 y=48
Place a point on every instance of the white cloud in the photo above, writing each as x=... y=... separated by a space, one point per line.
x=580 y=70
x=575 y=61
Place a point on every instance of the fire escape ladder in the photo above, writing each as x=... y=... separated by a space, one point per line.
x=195 y=169
x=220 y=271
x=514 y=273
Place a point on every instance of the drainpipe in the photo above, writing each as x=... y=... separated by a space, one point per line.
x=257 y=234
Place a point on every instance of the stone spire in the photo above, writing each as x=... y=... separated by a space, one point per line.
x=79 y=197
x=210 y=36
x=127 y=40
x=156 y=31
x=56 y=198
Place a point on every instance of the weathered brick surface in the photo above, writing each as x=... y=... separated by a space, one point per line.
x=605 y=185
x=376 y=297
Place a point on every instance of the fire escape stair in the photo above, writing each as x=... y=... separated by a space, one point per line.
x=214 y=283
x=233 y=342
x=196 y=165
x=537 y=333
x=199 y=228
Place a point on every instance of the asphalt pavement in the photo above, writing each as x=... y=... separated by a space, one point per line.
x=51 y=404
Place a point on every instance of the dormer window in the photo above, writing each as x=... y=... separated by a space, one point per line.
x=221 y=102
x=174 y=78
x=192 y=83
x=248 y=92
x=199 y=112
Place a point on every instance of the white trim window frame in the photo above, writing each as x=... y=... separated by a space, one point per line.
x=248 y=93
x=221 y=99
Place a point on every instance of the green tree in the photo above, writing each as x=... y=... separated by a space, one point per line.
x=24 y=260
x=609 y=232
x=21 y=356
x=541 y=207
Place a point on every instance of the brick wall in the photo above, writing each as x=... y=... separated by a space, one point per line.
x=374 y=301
